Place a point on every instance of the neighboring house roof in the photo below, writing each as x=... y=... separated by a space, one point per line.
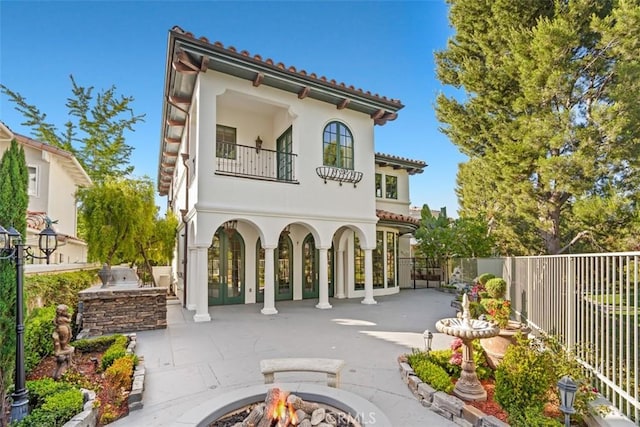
x=406 y=222
x=36 y=222
x=72 y=166
x=70 y=162
x=411 y=166
x=187 y=56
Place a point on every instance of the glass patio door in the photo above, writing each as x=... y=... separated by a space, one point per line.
x=310 y=266
x=226 y=269
x=284 y=268
x=284 y=146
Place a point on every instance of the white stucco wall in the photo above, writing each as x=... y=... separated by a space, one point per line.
x=311 y=197
x=402 y=203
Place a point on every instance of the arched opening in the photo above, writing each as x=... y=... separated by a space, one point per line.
x=226 y=268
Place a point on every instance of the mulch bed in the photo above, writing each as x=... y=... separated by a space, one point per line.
x=490 y=406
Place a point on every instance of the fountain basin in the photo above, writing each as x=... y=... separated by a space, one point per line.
x=467 y=328
x=366 y=413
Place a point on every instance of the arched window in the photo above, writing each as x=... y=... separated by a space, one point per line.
x=337 y=146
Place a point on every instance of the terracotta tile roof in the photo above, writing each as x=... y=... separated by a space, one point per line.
x=291 y=69
x=390 y=216
x=37 y=221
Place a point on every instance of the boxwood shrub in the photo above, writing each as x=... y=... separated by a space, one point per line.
x=52 y=403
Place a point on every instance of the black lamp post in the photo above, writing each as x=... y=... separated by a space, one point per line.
x=12 y=248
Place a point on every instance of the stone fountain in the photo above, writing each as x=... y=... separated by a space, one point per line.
x=468 y=386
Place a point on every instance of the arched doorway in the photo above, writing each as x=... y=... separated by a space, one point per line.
x=226 y=268
x=283 y=269
x=310 y=265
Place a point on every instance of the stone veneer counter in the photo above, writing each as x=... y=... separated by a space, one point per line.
x=118 y=309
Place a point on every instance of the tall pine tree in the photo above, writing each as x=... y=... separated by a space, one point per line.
x=550 y=119
x=13 y=212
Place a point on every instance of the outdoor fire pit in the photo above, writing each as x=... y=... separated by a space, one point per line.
x=285 y=404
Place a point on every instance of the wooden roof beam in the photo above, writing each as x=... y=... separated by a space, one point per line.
x=175 y=122
x=185 y=59
x=304 y=92
x=343 y=104
x=173 y=99
x=258 y=80
x=378 y=114
x=172 y=140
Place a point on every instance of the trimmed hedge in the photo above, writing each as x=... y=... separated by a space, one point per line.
x=89 y=345
x=38 y=342
x=53 y=403
x=117 y=350
x=430 y=373
x=58 y=288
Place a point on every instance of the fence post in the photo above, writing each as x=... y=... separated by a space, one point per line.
x=571 y=305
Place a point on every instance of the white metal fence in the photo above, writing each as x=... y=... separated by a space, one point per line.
x=591 y=304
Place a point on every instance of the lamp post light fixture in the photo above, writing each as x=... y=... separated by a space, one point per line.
x=567 y=388
x=428 y=339
x=13 y=249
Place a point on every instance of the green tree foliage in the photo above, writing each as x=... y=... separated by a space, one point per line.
x=95 y=133
x=123 y=224
x=120 y=213
x=441 y=237
x=13 y=212
x=549 y=121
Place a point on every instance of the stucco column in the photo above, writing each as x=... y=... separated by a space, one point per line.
x=269 y=285
x=199 y=286
x=368 y=277
x=323 y=278
x=340 y=275
x=191 y=279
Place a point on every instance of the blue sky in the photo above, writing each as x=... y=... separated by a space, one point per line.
x=383 y=47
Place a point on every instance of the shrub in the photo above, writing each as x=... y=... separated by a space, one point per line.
x=120 y=372
x=39 y=390
x=117 y=350
x=109 y=414
x=434 y=375
x=53 y=403
x=94 y=344
x=58 y=288
x=484 y=277
x=496 y=287
x=37 y=337
x=532 y=417
x=524 y=378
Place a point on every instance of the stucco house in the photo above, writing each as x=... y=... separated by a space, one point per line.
x=54 y=178
x=275 y=177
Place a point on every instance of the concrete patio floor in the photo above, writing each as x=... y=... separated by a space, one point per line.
x=189 y=363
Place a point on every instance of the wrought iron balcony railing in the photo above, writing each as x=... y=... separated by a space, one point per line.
x=255 y=162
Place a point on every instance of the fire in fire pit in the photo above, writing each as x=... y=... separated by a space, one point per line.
x=282 y=409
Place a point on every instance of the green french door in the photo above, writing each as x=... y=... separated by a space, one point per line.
x=310 y=266
x=226 y=269
x=311 y=278
x=284 y=146
x=283 y=269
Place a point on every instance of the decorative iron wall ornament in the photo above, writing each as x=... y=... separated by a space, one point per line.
x=339 y=174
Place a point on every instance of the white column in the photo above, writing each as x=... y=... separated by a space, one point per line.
x=199 y=285
x=269 y=285
x=368 y=277
x=340 y=275
x=323 y=278
x=191 y=279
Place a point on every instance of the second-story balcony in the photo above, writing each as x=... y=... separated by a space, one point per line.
x=255 y=162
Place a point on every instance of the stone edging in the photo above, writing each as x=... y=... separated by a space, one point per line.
x=137 y=385
x=450 y=407
x=89 y=415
